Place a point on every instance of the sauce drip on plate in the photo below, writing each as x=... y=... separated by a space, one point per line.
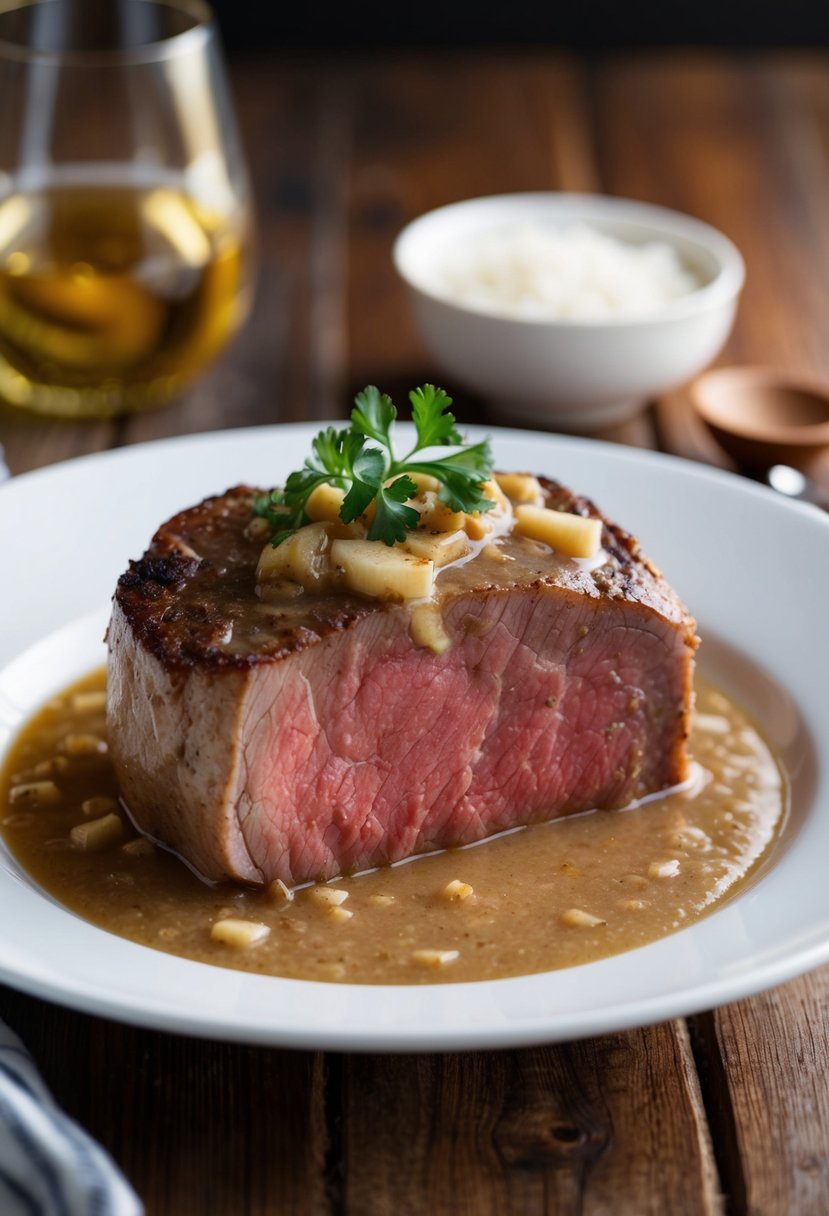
x=540 y=898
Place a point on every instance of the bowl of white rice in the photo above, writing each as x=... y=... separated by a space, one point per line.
x=570 y=310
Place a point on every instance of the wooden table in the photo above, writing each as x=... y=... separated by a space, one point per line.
x=726 y=1111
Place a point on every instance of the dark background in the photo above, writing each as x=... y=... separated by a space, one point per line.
x=578 y=24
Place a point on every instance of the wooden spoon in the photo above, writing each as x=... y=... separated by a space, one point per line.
x=763 y=417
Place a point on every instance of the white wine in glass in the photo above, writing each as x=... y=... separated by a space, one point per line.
x=125 y=218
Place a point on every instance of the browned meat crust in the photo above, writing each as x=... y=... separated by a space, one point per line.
x=182 y=596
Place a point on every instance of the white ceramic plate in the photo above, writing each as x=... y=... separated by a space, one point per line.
x=754 y=569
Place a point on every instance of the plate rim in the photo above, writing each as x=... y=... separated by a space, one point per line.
x=634 y=1012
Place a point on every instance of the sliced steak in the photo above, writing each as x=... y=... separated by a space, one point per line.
x=312 y=737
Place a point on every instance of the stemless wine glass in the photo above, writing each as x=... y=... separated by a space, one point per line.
x=125 y=218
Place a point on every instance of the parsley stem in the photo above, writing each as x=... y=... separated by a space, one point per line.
x=361 y=461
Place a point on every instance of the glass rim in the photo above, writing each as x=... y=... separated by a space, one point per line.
x=148 y=52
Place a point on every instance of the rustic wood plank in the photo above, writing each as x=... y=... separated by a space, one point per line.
x=430 y=134
x=682 y=432
x=720 y=137
x=637 y=432
x=200 y=1129
x=768 y=1059
x=607 y=1126
x=30 y=443
x=600 y=1128
x=746 y=146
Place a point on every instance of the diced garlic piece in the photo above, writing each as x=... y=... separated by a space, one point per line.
x=632 y=905
x=425 y=482
x=635 y=880
x=52 y=767
x=435 y=514
x=663 y=869
x=572 y=535
x=521 y=487
x=324 y=503
x=89 y=702
x=34 y=793
x=140 y=847
x=426 y=628
x=372 y=568
x=492 y=490
x=20 y=820
x=323 y=506
x=239 y=934
x=440 y=547
x=479 y=524
x=279 y=892
x=434 y=958
x=99 y=806
x=97 y=834
x=278 y=589
x=577 y=918
x=331 y=971
x=257 y=529
x=456 y=891
x=338 y=915
x=84 y=745
x=302 y=558
x=329 y=897
x=688 y=837
x=381 y=901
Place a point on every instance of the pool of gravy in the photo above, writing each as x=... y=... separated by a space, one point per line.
x=536 y=899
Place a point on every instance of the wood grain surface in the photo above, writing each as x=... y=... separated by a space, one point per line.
x=728 y=1112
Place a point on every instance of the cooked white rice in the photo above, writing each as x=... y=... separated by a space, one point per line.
x=573 y=273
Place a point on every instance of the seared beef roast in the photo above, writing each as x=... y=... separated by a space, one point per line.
x=305 y=738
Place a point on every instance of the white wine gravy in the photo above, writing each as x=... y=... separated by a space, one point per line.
x=537 y=899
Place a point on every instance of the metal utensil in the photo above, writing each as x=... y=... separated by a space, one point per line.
x=794 y=484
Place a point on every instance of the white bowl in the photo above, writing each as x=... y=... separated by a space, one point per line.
x=572 y=375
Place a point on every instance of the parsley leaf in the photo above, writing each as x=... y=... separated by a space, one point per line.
x=434 y=424
x=460 y=488
x=368 y=469
x=282 y=519
x=361 y=460
x=327 y=448
x=374 y=415
x=391 y=518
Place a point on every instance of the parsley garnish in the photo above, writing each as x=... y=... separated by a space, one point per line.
x=361 y=461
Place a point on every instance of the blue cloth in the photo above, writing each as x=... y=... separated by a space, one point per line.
x=49 y=1166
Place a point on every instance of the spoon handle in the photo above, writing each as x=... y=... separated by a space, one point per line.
x=793 y=483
